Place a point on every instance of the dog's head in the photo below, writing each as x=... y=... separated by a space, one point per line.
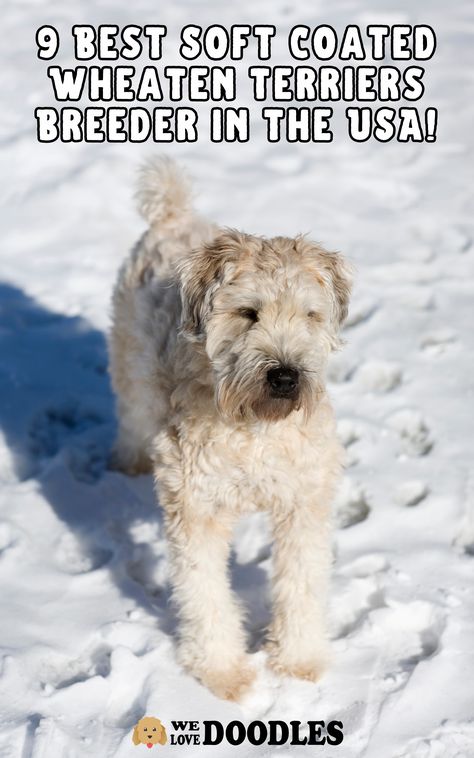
x=149 y=731
x=268 y=312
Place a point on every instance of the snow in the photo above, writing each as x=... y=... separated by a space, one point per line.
x=86 y=627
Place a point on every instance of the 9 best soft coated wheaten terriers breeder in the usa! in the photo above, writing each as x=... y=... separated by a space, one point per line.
x=218 y=352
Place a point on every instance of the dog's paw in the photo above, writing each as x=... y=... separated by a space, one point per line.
x=130 y=465
x=311 y=669
x=229 y=683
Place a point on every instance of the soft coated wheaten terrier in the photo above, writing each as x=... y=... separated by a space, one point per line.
x=218 y=352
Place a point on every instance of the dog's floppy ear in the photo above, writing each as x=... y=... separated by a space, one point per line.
x=341 y=281
x=135 y=737
x=163 y=739
x=201 y=273
x=335 y=274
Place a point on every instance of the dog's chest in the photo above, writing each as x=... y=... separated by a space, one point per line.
x=253 y=469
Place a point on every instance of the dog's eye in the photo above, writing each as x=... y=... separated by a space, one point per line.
x=154 y=728
x=314 y=316
x=249 y=313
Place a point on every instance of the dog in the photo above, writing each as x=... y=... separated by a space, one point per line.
x=218 y=351
x=149 y=731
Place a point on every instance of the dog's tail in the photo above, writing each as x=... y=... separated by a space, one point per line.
x=164 y=197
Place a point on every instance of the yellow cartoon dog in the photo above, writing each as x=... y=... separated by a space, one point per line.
x=149 y=731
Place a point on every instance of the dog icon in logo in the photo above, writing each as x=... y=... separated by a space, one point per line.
x=149 y=731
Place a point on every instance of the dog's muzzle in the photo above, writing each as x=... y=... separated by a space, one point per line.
x=283 y=382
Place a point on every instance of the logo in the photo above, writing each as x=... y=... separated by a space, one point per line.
x=149 y=731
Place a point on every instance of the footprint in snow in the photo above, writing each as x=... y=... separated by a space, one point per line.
x=341 y=368
x=360 y=312
x=347 y=432
x=465 y=537
x=415 y=435
x=436 y=342
x=452 y=739
x=410 y=632
x=360 y=596
x=73 y=556
x=350 y=504
x=411 y=493
x=90 y=664
x=9 y=537
x=147 y=567
x=81 y=432
x=445 y=240
x=378 y=376
x=348 y=435
x=53 y=426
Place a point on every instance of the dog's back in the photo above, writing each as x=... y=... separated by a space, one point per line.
x=146 y=307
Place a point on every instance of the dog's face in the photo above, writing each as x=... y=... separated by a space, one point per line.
x=268 y=312
x=149 y=731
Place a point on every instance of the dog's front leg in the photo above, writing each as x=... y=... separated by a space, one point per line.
x=302 y=558
x=212 y=642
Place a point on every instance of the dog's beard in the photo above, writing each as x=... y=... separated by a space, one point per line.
x=245 y=395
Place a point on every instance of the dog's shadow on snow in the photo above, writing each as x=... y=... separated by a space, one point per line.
x=57 y=418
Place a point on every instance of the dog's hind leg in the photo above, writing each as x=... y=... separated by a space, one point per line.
x=130 y=454
x=135 y=403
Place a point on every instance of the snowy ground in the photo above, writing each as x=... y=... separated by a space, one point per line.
x=86 y=629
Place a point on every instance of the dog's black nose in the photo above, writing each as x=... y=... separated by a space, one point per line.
x=283 y=381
